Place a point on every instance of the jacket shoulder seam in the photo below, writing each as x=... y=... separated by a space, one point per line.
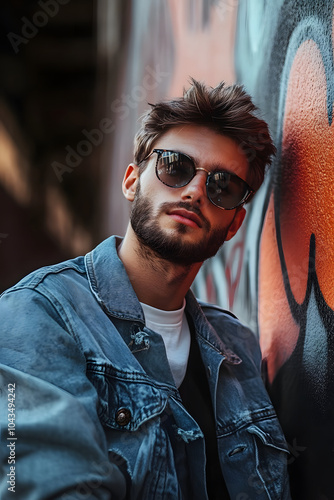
x=37 y=277
x=53 y=302
x=207 y=305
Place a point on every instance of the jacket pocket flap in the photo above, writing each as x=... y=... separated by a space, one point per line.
x=126 y=399
x=270 y=433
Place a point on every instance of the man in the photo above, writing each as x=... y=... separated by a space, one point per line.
x=125 y=386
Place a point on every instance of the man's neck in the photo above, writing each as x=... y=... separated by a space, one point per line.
x=156 y=281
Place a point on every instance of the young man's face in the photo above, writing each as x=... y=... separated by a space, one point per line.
x=181 y=224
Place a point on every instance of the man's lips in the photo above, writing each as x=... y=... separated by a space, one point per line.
x=185 y=217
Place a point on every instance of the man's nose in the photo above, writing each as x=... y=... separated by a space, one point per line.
x=196 y=189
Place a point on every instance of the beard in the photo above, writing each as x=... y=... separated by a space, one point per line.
x=169 y=244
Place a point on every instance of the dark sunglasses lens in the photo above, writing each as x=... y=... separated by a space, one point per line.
x=226 y=190
x=174 y=169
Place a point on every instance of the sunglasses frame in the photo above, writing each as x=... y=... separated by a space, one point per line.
x=196 y=169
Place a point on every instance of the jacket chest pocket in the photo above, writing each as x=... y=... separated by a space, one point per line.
x=132 y=411
x=255 y=459
x=126 y=400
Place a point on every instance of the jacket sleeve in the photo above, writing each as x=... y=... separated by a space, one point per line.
x=52 y=443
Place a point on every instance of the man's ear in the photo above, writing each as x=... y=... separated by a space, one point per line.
x=236 y=223
x=130 y=181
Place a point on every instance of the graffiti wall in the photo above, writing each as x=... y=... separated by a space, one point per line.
x=284 y=55
x=278 y=273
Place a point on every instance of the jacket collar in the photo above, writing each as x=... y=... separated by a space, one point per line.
x=112 y=288
x=207 y=332
x=110 y=283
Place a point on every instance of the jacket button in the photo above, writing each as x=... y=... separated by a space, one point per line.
x=123 y=416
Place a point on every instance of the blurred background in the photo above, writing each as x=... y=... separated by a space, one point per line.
x=75 y=78
x=57 y=61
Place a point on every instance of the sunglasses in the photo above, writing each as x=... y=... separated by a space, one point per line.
x=224 y=189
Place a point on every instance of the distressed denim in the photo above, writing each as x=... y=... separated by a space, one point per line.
x=98 y=415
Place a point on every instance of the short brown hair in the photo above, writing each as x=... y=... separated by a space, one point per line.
x=227 y=110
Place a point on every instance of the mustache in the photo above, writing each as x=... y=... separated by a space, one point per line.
x=187 y=206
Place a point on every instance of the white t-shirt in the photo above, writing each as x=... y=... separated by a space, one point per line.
x=174 y=329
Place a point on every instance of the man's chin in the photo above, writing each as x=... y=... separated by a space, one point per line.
x=184 y=255
x=178 y=245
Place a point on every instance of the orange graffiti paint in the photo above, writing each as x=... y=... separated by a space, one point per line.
x=278 y=330
x=307 y=189
x=303 y=205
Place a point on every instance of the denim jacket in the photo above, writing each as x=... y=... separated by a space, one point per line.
x=97 y=413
